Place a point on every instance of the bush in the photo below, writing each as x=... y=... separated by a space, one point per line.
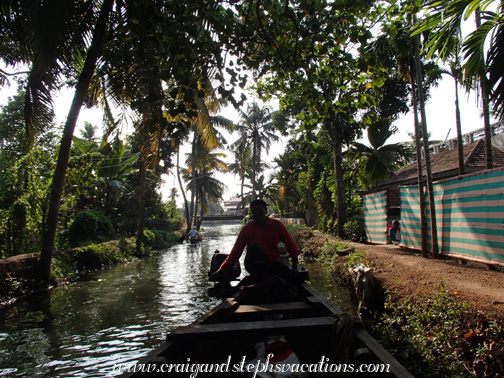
x=161 y=239
x=440 y=336
x=148 y=237
x=329 y=251
x=354 y=230
x=166 y=239
x=293 y=228
x=90 y=227
x=97 y=255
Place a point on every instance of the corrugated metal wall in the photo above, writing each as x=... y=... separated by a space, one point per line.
x=469 y=213
x=375 y=217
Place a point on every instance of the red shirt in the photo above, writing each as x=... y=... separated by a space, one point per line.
x=267 y=239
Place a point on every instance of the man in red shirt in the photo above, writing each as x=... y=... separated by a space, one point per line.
x=261 y=237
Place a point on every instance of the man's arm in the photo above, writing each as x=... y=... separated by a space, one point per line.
x=294 y=263
x=236 y=252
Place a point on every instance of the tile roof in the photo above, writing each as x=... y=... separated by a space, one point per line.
x=445 y=163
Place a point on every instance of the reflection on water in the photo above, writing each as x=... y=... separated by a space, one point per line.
x=322 y=280
x=113 y=316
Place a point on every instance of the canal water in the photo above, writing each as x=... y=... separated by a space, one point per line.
x=118 y=314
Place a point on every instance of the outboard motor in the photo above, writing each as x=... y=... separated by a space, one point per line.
x=217 y=260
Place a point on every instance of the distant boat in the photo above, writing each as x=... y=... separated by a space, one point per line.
x=195 y=240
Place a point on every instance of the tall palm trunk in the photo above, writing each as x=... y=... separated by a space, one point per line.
x=195 y=220
x=186 y=205
x=418 y=74
x=58 y=181
x=192 y=209
x=418 y=146
x=203 y=202
x=242 y=185
x=460 y=143
x=255 y=162
x=486 y=107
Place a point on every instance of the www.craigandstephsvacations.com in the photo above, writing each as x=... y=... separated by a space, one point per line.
x=256 y=367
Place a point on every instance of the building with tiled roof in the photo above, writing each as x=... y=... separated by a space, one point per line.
x=444 y=164
x=232 y=206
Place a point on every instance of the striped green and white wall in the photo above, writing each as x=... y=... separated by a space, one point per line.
x=375 y=217
x=411 y=232
x=469 y=214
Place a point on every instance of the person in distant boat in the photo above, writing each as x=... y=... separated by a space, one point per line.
x=194 y=234
x=395 y=232
x=262 y=261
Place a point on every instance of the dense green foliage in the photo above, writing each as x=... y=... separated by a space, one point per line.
x=100 y=199
x=442 y=337
x=90 y=227
x=25 y=177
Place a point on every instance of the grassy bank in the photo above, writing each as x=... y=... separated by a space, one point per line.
x=70 y=264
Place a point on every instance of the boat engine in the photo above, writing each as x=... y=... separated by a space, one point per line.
x=217 y=260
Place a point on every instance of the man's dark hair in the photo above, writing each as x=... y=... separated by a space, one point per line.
x=259 y=202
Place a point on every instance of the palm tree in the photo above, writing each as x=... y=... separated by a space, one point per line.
x=455 y=72
x=89 y=132
x=421 y=96
x=179 y=179
x=53 y=46
x=203 y=164
x=444 y=22
x=145 y=52
x=381 y=160
x=397 y=44
x=206 y=138
x=242 y=155
x=52 y=38
x=257 y=130
x=66 y=141
x=211 y=189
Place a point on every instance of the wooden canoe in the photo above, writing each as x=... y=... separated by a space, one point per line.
x=224 y=341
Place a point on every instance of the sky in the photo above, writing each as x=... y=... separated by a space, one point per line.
x=440 y=123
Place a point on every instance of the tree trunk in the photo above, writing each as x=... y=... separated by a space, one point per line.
x=418 y=146
x=460 y=143
x=58 y=181
x=195 y=217
x=182 y=190
x=141 y=206
x=486 y=107
x=203 y=204
x=416 y=47
x=192 y=210
x=242 y=184
x=255 y=139
x=340 y=188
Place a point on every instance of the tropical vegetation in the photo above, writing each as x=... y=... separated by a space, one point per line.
x=339 y=71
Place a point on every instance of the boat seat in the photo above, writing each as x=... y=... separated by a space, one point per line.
x=289 y=306
x=268 y=327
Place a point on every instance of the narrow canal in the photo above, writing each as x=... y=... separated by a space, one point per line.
x=118 y=314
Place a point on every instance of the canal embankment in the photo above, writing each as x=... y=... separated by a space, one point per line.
x=439 y=318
